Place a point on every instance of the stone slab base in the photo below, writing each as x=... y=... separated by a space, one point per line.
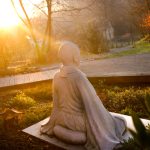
x=34 y=130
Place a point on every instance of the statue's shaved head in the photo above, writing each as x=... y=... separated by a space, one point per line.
x=69 y=53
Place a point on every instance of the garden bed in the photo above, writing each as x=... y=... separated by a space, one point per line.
x=36 y=104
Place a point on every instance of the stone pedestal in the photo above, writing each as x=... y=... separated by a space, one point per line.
x=34 y=130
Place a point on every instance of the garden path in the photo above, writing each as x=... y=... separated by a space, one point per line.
x=134 y=65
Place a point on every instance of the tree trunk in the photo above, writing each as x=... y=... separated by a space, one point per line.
x=49 y=33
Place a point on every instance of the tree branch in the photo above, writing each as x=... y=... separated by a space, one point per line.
x=18 y=13
x=75 y=9
x=38 y=8
x=30 y=28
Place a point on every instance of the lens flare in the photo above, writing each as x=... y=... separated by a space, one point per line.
x=8 y=17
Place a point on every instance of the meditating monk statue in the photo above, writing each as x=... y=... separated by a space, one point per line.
x=78 y=115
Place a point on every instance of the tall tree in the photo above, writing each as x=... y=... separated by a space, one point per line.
x=48 y=8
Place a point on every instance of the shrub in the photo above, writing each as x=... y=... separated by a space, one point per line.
x=128 y=145
x=37 y=113
x=131 y=99
x=21 y=101
x=127 y=111
x=42 y=93
x=125 y=100
x=141 y=137
x=92 y=39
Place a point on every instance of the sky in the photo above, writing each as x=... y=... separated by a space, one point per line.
x=8 y=17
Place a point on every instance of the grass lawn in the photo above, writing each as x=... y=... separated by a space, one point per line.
x=139 y=48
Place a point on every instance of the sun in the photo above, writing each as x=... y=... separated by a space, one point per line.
x=8 y=17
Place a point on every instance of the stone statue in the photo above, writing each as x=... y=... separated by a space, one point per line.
x=78 y=115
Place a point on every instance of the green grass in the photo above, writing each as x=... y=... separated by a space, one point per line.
x=141 y=47
x=87 y=55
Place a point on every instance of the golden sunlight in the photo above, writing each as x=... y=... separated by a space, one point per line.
x=8 y=17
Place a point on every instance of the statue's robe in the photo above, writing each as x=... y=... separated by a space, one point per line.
x=78 y=108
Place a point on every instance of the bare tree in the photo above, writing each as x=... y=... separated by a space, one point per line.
x=48 y=8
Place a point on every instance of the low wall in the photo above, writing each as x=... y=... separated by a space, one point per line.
x=109 y=80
